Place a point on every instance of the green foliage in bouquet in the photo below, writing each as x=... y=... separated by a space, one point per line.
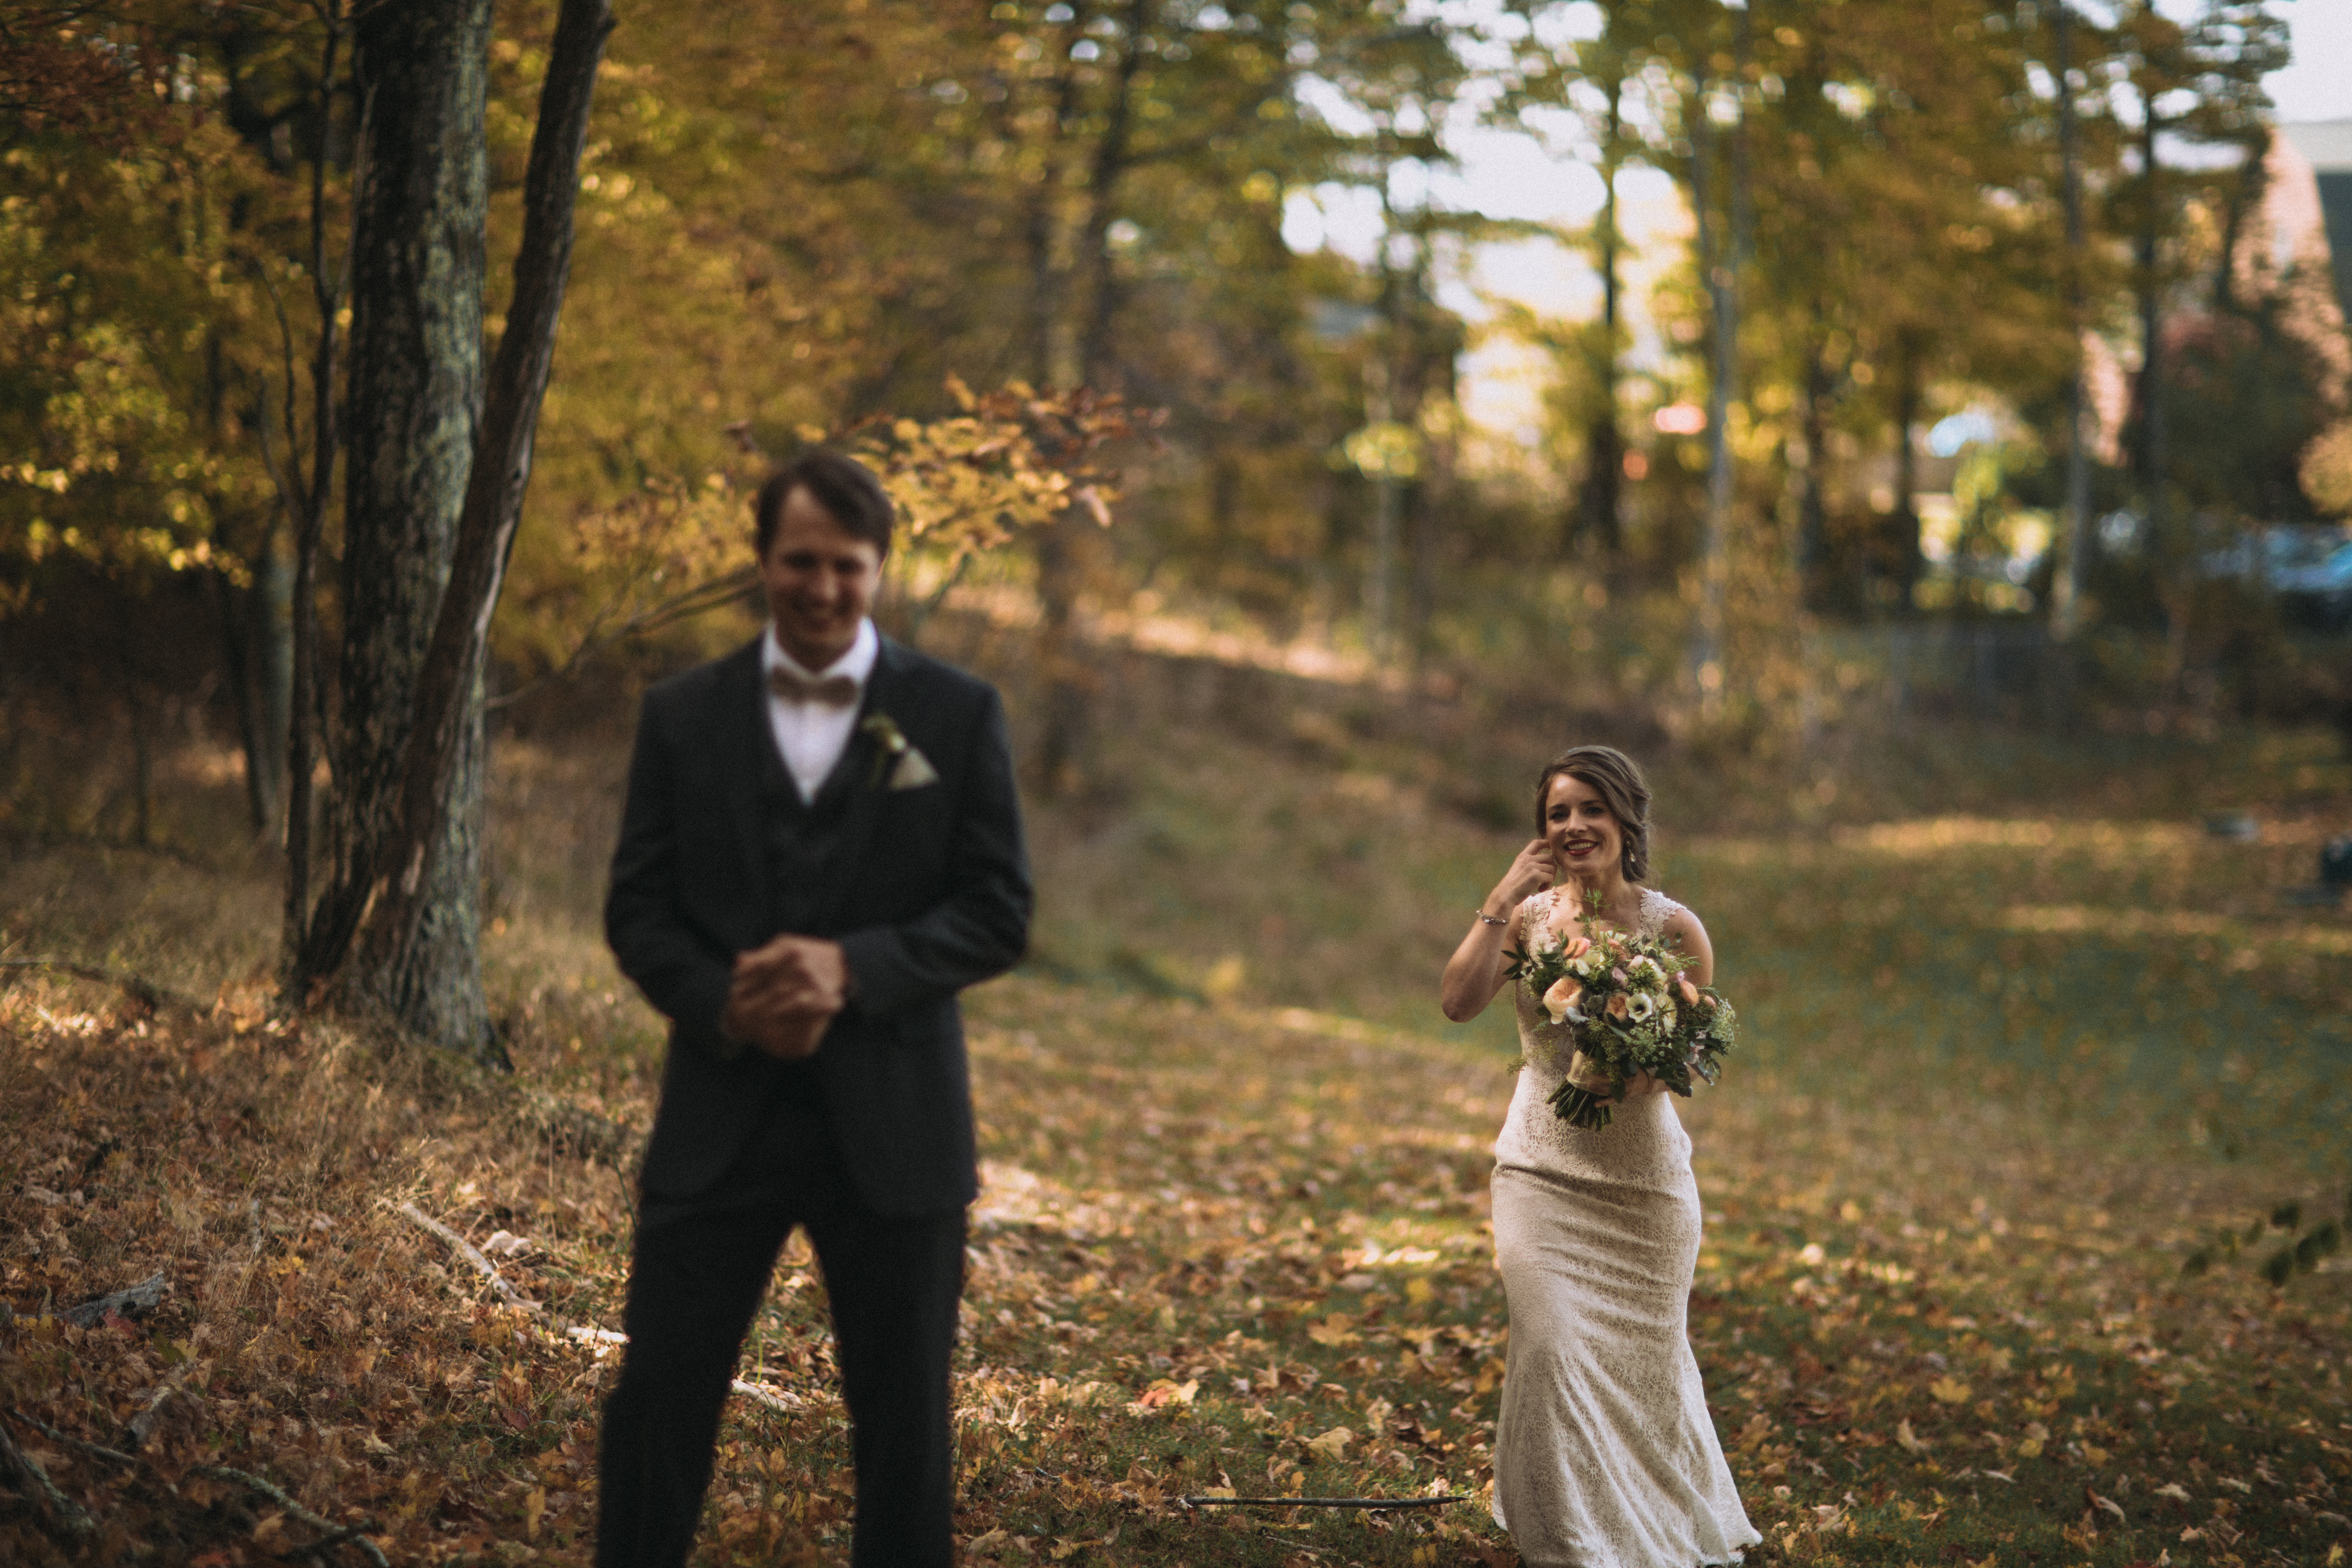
x=1623 y=1004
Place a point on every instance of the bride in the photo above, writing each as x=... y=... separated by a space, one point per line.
x=1605 y=1455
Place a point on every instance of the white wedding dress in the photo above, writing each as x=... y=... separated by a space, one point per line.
x=1605 y=1456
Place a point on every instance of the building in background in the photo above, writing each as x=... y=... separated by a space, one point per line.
x=2321 y=163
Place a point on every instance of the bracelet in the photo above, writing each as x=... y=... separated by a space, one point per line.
x=1490 y=919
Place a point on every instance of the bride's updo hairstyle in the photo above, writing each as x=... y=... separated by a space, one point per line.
x=1617 y=779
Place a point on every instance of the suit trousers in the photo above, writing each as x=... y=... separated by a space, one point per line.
x=701 y=1267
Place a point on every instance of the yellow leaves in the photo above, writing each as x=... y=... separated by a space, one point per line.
x=56 y=480
x=2327 y=472
x=1331 y=1445
x=534 y=1504
x=1165 y=1392
x=1909 y=1440
x=1334 y=1331
x=1949 y=1391
x=2174 y=1490
x=2037 y=1436
x=1009 y=460
x=1385 y=449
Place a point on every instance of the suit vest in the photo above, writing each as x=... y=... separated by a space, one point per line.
x=798 y=839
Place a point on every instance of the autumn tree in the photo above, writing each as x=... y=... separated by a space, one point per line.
x=1598 y=81
x=437 y=480
x=126 y=355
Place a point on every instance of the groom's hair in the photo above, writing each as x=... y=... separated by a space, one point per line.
x=1617 y=779
x=844 y=487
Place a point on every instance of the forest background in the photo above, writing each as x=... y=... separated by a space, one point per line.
x=1921 y=485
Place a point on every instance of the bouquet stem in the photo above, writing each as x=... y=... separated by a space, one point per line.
x=1584 y=1096
x=1579 y=1106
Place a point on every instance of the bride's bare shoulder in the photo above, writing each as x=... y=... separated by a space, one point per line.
x=1675 y=920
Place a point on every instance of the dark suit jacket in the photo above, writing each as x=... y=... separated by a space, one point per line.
x=927 y=889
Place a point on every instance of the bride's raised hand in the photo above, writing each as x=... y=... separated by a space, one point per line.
x=1479 y=966
x=1531 y=872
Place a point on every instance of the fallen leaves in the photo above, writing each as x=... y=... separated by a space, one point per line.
x=1230 y=1242
x=1331 y=1445
x=1949 y=1391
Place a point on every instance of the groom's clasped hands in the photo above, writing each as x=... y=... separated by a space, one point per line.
x=784 y=992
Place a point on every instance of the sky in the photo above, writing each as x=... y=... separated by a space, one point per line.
x=1515 y=175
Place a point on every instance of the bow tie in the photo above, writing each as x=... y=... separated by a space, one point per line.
x=830 y=691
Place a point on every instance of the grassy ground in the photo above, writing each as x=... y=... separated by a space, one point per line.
x=2015 y=1051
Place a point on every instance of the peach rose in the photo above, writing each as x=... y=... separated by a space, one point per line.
x=1562 y=995
x=1576 y=947
x=1689 y=992
x=1618 y=1006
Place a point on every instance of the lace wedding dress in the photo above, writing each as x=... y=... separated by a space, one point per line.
x=1605 y=1455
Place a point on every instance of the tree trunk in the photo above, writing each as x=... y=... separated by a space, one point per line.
x=306 y=496
x=2151 y=329
x=2069 y=586
x=1108 y=168
x=1719 y=265
x=1812 y=502
x=401 y=918
x=1903 y=523
x=446 y=739
x=414 y=394
x=1042 y=225
x=269 y=649
x=1600 y=506
x=257 y=648
x=1067 y=553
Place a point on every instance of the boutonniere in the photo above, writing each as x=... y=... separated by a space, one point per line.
x=896 y=758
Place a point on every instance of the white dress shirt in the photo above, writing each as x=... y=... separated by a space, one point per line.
x=810 y=735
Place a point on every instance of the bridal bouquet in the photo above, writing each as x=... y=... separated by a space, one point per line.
x=1622 y=1003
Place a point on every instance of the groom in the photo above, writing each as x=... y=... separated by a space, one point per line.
x=821 y=846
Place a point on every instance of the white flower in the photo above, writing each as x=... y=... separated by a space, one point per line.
x=1641 y=1007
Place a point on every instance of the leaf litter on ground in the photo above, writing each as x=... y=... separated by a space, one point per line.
x=1238 y=1248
